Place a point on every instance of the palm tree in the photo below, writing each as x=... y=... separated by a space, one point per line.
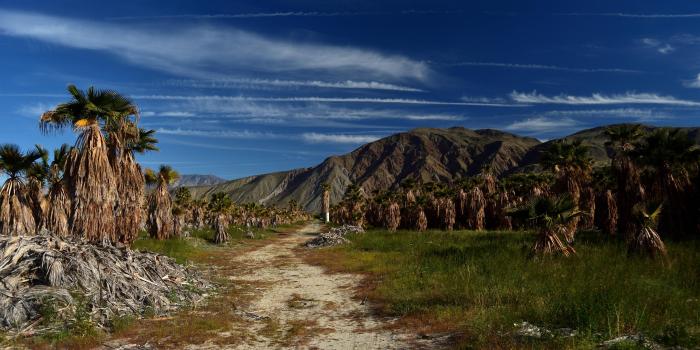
x=37 y=175
x=219 y=205
x=326 y=202
x=16 y=217
x=57 y=213
x=90 y=179
x=124 y=139
x=647 y=241
x=571 y=164
x=668 y=154
x=622 y=139
x=552 y=217
x=160 y=205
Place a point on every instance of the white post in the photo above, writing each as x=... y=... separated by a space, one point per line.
x=328 y=217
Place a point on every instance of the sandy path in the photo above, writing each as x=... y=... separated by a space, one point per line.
x=298 y=306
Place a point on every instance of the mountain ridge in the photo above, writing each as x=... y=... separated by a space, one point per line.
x=422 y=154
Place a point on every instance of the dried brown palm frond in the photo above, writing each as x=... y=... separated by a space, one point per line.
x=648 y=242
x=548 y=243
x=131 y=190
x=476 y=204
x=421 y=220
x=392 y=216
x=58 y=210
x=16 y=217
x=221 y=226
x=111 y=281
x=91 y=187
x=160 y=217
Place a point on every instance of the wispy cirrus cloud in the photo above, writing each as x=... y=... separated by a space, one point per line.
x=542 y=125
x=695 y=83
x=658 y=45
x=242 y=83
x=622 y=113
x=633 y=15
x=600 y=99
x=229 y=134
x=313 y=137
x=208 y=51
x=544 y=67
x=284 y=14
x=317 y=99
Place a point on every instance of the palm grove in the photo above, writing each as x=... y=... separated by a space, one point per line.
x=96 y=191
x=648 y=190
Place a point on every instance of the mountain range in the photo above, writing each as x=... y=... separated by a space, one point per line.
x=424 y=154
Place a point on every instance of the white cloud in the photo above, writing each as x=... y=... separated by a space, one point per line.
x=662 y=48
x=207 y=51
x=628 y=113
x=544 y=67
x=542 y=124
x=229 y=134
x=600 y=99
x=256 y=83
x=315 y=99
x=313 y=137
x=636 y=15
x=695 y=83
x=283 y=14
x=34 y=110
x=175 y=114
x=446 y=117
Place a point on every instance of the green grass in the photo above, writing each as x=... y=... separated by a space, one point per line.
x=185 y=250
x=480 y=284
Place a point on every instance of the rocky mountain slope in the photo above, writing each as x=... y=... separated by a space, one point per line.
x=198 y=180
x=438 y=155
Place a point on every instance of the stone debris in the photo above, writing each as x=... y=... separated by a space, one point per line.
x=105 y=281
x=336 y=236
x=638 y=340
x=529 y=330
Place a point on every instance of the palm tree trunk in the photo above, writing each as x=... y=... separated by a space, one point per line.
x=220 y=226
x=58 y=211
x=130 y=189
x=160 y=213
x=16 y=217
x=91 y=187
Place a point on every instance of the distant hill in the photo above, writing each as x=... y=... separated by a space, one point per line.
x=425 y=154
x=198 y=180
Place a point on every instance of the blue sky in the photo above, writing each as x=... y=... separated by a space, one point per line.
x=248 y=87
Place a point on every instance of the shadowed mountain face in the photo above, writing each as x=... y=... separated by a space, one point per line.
x=437 y=155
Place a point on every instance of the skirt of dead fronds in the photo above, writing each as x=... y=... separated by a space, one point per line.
x=104 y=280
x=220 y=225
x=16 y=217
x=549 y=243
x=92 y=188
x=392 y=217
x=648 y=243
x=57 y=212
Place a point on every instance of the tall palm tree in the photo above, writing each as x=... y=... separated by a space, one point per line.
x=326 y=201
x=572 y=165
x=668 y=154
x=57 y=211
x=160 y=205
x=90 y=179
x=622 y=139
x=16 y=217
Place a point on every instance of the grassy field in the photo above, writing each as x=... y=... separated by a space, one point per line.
x=479 y=284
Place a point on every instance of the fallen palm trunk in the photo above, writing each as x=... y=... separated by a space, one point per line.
x=336 y=236
x=108 y=281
